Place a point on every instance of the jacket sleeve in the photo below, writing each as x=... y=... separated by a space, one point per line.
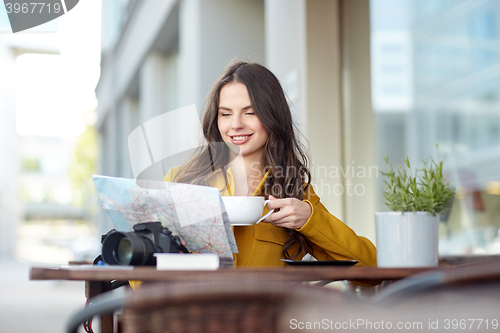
x=331 y=239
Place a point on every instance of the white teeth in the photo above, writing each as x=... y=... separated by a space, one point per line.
x=239 y=138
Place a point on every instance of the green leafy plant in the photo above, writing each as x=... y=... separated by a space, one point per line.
x=406 y=192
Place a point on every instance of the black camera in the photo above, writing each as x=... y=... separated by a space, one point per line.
x=137 y=247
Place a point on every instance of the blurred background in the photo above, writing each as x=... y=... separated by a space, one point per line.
x=365 y=79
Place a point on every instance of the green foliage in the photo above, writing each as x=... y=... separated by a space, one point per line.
x=406 y=192
x=30 y=165
x=83 y=165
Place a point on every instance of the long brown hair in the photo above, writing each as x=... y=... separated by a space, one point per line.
x=284 y=157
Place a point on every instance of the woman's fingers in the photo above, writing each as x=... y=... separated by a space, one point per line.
x=293 y=213
x=183 y=242
x=276 y=204
x=276 y=216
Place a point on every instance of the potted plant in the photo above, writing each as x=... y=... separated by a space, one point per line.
x=408 y=236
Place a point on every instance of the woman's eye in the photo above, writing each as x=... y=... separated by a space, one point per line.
x=250 y=113
x=225 y=114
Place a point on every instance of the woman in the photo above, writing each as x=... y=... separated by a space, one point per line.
x=253 y=150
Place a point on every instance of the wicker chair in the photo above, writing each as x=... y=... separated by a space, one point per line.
x=455 y=296
x=464 y=277
x=251 y=305
x=435 y=300
x=218 y=306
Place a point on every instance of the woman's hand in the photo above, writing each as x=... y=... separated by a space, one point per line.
x=292 y=214
x=183 y=242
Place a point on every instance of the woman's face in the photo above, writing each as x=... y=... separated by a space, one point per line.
x=238 y=124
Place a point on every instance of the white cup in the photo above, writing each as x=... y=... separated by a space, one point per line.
x=242 y=210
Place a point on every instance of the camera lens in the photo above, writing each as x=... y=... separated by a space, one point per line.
x=124 y=251
x=124 y=248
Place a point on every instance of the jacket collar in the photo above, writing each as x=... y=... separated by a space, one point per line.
x=260 y=187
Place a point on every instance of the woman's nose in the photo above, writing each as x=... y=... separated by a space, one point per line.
x=237 y=123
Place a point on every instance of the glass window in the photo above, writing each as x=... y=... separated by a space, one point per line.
x=450 y=77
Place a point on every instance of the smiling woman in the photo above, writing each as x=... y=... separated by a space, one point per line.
x=253 y=150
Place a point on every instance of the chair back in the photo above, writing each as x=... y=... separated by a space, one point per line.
x=461 y=277
x=216 y=306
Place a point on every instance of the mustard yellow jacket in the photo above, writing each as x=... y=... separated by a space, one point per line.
x=261 y=244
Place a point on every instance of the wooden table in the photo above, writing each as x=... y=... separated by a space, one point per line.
x=287 y=274
x=99 y=280
x=284 y=274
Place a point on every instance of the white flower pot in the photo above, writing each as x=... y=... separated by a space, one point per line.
x=407 y=239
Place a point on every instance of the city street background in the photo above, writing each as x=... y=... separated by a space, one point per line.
x=364 y=78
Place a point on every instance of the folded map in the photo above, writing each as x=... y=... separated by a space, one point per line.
x=195 y=213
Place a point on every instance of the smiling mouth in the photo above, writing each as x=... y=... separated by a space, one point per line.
x=239 y=139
